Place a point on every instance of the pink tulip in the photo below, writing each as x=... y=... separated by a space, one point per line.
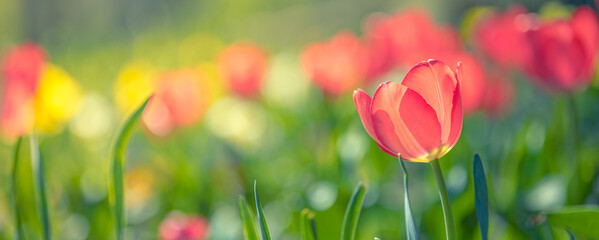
x=502 y=37
x=177 y=226
x=337 y=66
x=243 y=66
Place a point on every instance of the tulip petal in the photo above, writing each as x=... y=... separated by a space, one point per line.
x=362 y=102
x=421 y=120
x=388 y=125
x=436 y=83
x=457 y=115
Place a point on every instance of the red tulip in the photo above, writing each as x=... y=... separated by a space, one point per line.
x=243 y=66
x=419 y=119
x=337 y=66
x=178 y=226
x=565 y=52
x=179 y=100
x=21 y=72
x=502 y=37
x=473 y=82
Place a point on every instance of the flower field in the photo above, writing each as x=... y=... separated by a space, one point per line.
x=193 y=120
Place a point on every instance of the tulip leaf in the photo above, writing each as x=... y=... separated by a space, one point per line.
x=352 y=213
x=261 y=218
x=15 y=198
x=581 y=220
x=37 y=166
x=247 y=219
x=307 y=225
x=411 y=231
x=481 y=196
x=118 y=161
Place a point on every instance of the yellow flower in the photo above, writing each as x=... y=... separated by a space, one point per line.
x=134 y=84
x=57 y=99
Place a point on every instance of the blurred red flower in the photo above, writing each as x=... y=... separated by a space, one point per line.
x=565 y=51
x=419 y=119
x=337 y=66
x=243 y=66
x=502 y=37
x=180 y=99
x=178 y=226
x=21 y=72
x=498 y=95
x=405 y=39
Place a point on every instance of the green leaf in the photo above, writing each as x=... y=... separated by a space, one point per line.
x=582 y=220
x=481 y=196
x=307 y=225
x=261 y=219
x=411 y=231
x=247 y=219
x=37 y=166
x=118 y=162
x=352 y=214
x=15 y=197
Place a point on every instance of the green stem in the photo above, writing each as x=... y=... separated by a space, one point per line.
x=580 y=187
x=449 y=226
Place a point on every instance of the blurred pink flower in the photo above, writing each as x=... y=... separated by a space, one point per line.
x=178 y=226
x=502 y=37
x=21 y=71
x=565 y=51
x=410 y=36
x=337 y=66
x=180 y=99
x=473 y=82
x=23 y=65
x=243 y=66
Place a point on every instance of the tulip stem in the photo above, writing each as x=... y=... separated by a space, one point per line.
x=449 y=225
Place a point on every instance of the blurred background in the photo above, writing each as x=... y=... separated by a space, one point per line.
x=238 y=98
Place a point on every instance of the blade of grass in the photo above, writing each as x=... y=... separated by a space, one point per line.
x=261 y=219
x=352 y=214
x=15 y=199
x=247 y=219
x=307 y=225
x=118 y=162
x=411 y=231
x=37 y=166
x=481 y=196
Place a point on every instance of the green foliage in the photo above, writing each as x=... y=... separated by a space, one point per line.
x=307 y=225
x=352 y=214
x=411 y=230
x=118 y=161
x=481 y=196
x=261 y=218
x=37 y=165
x=581 y=220
x=14 y=193
x=247 y=220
